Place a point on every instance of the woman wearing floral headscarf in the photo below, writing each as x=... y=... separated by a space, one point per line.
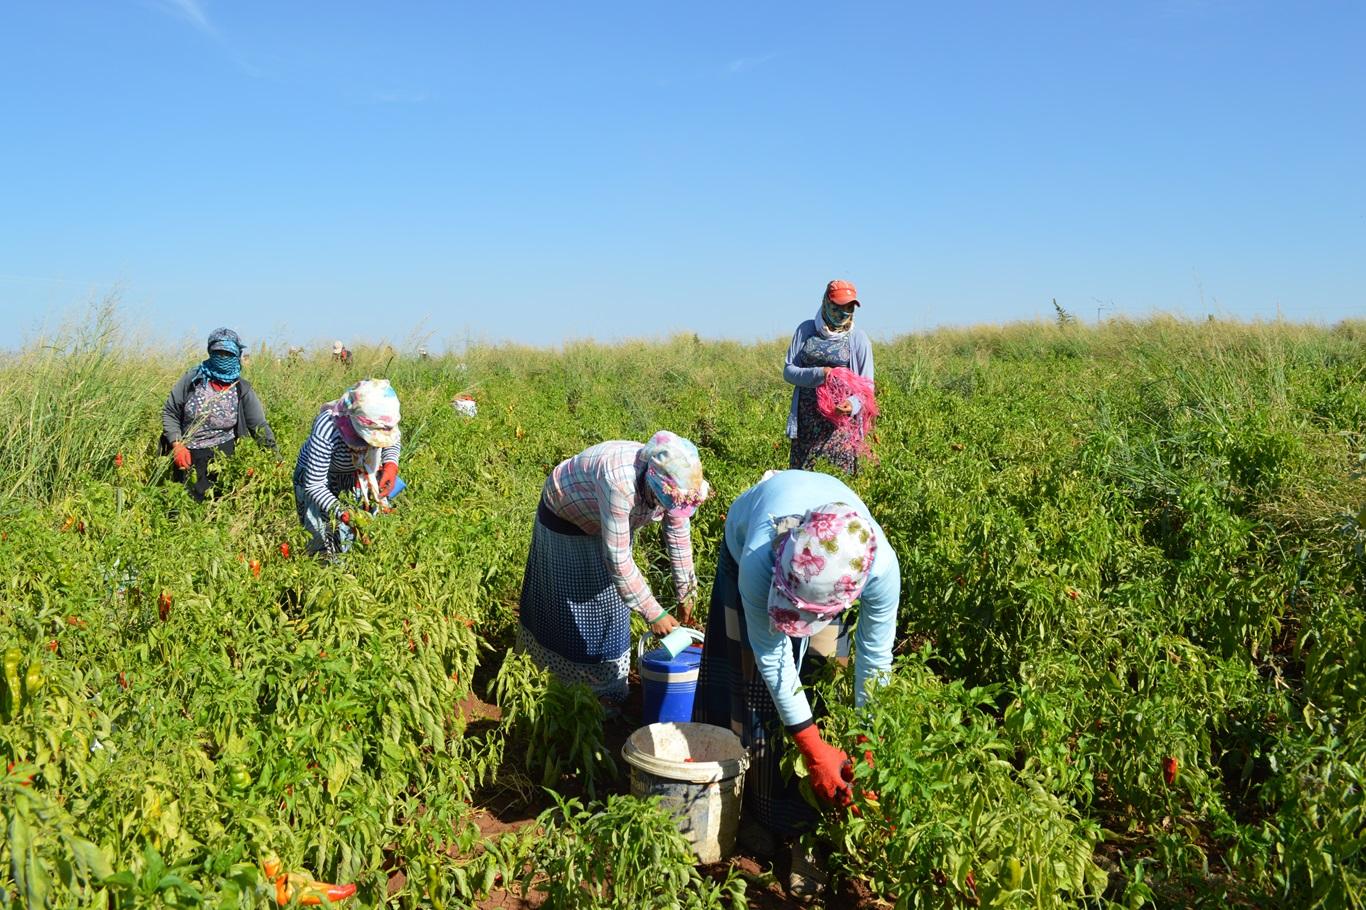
x=800 y=548
x=828 y=350
x=208 y=410
x=354 y=444
x=581 y=581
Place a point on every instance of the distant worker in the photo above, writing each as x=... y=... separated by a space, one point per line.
x=799 y=548
x=208 y=410
x=830 y=423
x=341 y=353
x=354 y=446
x=581 y=580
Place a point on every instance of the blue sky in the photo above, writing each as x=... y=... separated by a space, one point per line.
x=544 y=171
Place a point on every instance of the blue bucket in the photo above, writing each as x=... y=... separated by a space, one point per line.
x=669 y=683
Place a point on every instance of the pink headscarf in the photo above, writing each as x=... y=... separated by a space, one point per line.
x=840 y=385
x=820 y=569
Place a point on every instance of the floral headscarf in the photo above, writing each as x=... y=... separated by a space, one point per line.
x=370 y=407
x=673 y=469
x=820 y=569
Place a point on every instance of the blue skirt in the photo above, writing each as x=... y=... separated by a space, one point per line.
x=573 y=621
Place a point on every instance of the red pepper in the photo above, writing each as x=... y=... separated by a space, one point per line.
x=1169 y=770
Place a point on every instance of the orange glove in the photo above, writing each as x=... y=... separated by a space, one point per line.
x=825 y=765
x=180 y=455
x=387 y=475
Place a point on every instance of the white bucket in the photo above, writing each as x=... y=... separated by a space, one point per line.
x=698 y=771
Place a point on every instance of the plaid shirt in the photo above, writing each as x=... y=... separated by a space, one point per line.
x=598 y=491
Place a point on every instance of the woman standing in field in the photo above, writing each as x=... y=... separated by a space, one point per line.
x=355 y=442
x=799 y=549
x=208 y=410
x=581 y=581
x=828 y=351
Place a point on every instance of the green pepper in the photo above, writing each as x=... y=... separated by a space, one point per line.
x=238 y=777
x=12 y=692
x=33 y=679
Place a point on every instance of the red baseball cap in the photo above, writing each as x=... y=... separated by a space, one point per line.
x=842 y=293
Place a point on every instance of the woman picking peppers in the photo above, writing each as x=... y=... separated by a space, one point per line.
x=825 y=349
x=208 y=410
x=581 y=581
x=355 y=444
x=799 y=549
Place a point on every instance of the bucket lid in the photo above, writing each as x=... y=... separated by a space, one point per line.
x=658 y=660
x=689 y=752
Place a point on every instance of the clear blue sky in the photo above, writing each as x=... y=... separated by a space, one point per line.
x=562 y=170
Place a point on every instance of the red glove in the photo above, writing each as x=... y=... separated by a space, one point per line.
x=824 y=764
x=180 y=455
x=345 y=518
x=387 y=475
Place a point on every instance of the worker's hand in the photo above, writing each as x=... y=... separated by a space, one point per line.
x=825 y=373
x=824 y=766
x=344 y=518
x=387 y=475
x=686 y=610
x=664 y=625
x=180 y=455
x=845 y=407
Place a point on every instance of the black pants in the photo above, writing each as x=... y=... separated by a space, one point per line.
x=199 y=463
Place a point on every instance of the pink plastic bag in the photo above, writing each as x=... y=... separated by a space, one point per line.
x=840 y=385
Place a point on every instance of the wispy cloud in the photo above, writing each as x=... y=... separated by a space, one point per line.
x=715 y=71
x=191 y=11
x=194 y=14
x=743 y=64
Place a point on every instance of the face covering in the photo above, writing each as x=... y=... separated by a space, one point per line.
x=221 y=367
x=836 y=317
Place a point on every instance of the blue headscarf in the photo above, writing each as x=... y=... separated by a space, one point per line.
x=224 y=363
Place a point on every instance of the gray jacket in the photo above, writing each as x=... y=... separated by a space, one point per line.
x=251 y=417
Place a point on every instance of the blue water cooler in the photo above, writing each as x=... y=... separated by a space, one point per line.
x=668 y=683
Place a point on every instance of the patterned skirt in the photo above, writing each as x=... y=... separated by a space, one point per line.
x=731 y=693
x=817 y=439
x=573 y=621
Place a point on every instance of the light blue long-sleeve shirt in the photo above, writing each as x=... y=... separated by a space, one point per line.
x=860 y=361
x=749 y=538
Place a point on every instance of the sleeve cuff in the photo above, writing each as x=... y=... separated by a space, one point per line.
x=798 y=727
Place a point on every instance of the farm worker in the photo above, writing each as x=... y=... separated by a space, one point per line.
x=354 y=438
x=581 y=581
x=829 y=349
x=340 y=353
x=799 y=548
x=208 y=410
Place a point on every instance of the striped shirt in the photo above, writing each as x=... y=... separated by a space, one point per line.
x=599 y=492
x=327 y=465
